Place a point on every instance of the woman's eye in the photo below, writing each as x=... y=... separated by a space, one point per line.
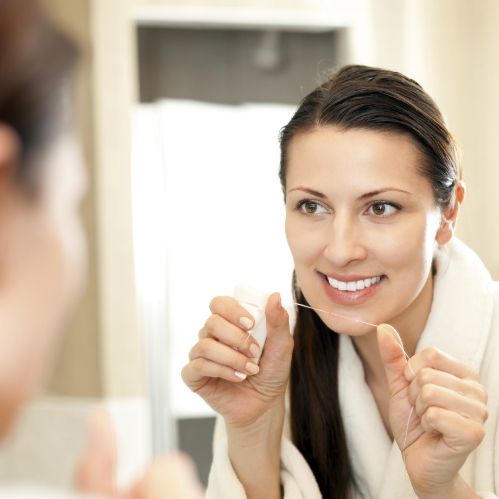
x=383 y=209
x=311 y=207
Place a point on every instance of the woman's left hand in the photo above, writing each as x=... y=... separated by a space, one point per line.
x=447 y=406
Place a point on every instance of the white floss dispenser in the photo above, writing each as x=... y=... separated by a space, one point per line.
x=254 y=302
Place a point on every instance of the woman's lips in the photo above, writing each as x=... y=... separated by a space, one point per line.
x=354 y=297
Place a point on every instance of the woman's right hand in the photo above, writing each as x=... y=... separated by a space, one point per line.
x=221 y=368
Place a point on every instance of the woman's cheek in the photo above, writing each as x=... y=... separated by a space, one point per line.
x=305 y=246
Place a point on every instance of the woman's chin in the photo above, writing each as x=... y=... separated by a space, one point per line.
x=348 y=326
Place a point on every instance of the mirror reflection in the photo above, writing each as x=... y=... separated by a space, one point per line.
x=241 y=257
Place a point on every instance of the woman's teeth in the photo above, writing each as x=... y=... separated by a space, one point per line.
x=353 y=285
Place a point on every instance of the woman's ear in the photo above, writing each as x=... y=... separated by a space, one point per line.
x=449 y=217
x=9 y=151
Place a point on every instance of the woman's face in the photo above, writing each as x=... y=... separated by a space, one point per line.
x=42 y=265
x=361 y=223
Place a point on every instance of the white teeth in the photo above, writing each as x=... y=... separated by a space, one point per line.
x=353 y=285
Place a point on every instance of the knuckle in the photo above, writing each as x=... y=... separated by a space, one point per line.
x=203 y=347
x=219 y=303
x=215 y=303
x=424 y=375
x=197 y=365
x=431 y=354
x=211 y=322
x=477 y=433
x=192 y=352
x=427 y=394
x=483 y=394
x=431 y=415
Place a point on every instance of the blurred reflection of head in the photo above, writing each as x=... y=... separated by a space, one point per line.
x=42 y=181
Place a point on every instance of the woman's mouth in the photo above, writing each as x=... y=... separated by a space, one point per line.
x=353 y=285
x=355 y=290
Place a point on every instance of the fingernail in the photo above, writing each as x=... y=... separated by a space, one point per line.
x=251 y=368
x=240 y=375
x=246 y=322
x=254 y=350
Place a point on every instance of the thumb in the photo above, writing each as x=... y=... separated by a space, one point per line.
x=393 y=357
x=279 y=342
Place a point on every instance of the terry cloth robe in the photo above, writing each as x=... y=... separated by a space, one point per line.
x=464 y=322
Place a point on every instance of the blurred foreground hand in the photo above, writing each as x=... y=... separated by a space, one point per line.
x=169 y=477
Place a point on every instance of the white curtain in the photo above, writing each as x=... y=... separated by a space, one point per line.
x=208 y=215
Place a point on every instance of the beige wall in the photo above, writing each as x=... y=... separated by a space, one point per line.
x=101 y=355
x=78 y=368
x=114 y=90
x=450 y=47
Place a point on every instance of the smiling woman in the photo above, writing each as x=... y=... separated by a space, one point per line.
x=372 y=186
x=347 y=239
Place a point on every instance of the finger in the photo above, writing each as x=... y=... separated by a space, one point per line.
x=279 y=343
x=231 y=310
x=219 y=353
x=441 y=361
x=95 y=471
x=459 y=433
x=438 y=396
x=393 y=357
x=199 y=371
x=222 y=330
x=466 y=387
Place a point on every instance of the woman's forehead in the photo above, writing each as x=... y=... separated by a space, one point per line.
x=330 y=154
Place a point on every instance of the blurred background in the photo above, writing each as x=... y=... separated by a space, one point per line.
x=179 y=105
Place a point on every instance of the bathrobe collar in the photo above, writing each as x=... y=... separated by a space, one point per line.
x=459 y=324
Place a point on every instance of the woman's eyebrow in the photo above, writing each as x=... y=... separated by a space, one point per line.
x=310 y=191
x=381 y=191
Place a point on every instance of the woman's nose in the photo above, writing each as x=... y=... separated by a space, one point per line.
x=345 y=242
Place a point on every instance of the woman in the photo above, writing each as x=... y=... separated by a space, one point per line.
x=372 y=186
x=42 y=251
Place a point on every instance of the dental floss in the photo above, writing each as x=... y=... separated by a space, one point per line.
x=255 y=301
x=335 y=314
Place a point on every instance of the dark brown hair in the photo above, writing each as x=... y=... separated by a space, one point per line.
x=35 y=61
x=366 y=98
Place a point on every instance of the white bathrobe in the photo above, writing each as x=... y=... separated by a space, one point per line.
x=464 y=322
